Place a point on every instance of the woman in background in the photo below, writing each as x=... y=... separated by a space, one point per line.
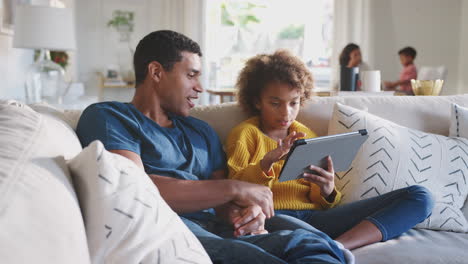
x=351 y=57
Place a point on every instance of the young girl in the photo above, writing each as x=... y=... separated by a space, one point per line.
x=271 y=89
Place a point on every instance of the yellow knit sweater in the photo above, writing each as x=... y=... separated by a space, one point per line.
x=246 y=145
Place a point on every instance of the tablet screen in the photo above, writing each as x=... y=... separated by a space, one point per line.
x=314 y=151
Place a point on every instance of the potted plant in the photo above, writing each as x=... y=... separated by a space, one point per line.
x=122 y=22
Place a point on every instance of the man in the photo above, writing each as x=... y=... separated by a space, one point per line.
x=184 y=158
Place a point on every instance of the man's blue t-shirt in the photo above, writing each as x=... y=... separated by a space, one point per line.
x=189 y=150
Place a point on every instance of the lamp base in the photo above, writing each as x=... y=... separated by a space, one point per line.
x=45 y=80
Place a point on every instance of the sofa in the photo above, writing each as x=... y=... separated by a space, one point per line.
x=425 y=113
x=41 y=216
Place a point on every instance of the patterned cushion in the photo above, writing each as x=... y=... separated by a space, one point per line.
x=458 y=121
x=126 y=219
x=394 y=157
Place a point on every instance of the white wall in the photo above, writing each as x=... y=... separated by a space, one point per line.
x=438 y=29
x=98 y=45
x=463 y=66
x=431 y=26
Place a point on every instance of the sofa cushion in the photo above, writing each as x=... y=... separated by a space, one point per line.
x=222 y=118
x=40 y=221
x=70 y=117
x=417 y=246
x=394 y=157
x=126 y=219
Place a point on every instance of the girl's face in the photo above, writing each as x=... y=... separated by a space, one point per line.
x=354 y=58
x=279 y=105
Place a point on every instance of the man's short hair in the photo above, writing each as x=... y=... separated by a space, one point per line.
x=163 y=46
x=408 y=51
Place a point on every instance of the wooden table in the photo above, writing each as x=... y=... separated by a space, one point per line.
x=222 y=92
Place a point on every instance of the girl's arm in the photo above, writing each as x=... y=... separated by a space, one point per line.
x=242 y=168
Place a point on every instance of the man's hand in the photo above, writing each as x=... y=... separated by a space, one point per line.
x=283 y=148
x=247 y=221
x=249 y=194
x=326 y=179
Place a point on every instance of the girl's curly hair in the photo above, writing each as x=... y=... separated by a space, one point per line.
x=261 y=70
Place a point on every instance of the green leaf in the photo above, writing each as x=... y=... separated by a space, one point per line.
x=122 y=18
x=292 y=32
x=225 y=16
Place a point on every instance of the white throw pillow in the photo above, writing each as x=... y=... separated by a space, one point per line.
x=394 y=157
x=40 y=218
x=126 y=219
x=459 y=128
x=458 y=121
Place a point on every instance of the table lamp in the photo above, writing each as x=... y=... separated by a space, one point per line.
x=44 y=28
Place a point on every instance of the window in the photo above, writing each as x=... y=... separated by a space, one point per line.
x=238 y=30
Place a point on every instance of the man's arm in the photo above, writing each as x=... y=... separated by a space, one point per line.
x=185 y=196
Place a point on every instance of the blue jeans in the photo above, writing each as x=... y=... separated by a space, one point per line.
x=286 y=246
x=393 y=213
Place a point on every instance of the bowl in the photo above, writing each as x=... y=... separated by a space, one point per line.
x=427 y=87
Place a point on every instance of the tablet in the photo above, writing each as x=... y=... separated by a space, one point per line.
x=314 y=151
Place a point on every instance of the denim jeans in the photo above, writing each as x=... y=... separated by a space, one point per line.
x=393 y=213
x=283 y=246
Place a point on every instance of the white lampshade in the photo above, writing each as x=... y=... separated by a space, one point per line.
x=43 y=27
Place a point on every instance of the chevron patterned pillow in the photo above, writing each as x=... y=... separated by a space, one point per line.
x=394 y=157
x=126 y=219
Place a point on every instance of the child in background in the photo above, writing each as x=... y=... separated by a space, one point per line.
x=407 y=57
x=271 y=89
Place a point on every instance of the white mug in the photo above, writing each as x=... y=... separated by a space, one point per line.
x=370 y=81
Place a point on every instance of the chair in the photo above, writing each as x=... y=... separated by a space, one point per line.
x=432 y=73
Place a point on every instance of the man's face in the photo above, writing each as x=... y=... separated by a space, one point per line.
x=180 y=86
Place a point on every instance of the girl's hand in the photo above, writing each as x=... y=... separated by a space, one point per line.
x=326 y=179
x=283 y=148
